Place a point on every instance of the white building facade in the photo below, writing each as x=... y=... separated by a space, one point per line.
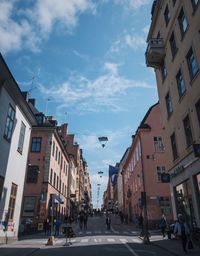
x=16 y=120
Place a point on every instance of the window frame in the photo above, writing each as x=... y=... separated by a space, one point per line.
x=188 y=130
x=181 y=20
x=12 y=201
x=169 y=105
x=10 y=120
x=173 y=45
x=167 y=15
x=174 y=146
x=38 y=144
x=180 y=83
x=21 y=138
x=190 y=57
x=197 y=107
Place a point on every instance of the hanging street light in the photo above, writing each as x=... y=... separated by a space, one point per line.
x=103 y=140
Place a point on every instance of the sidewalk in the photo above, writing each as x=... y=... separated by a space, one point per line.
x=173 y=245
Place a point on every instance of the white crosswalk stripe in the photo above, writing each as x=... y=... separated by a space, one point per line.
x=122 y=240
x=110 y=240
x=85 y=240
x=136 y=240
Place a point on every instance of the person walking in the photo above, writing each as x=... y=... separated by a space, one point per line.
x=163 y=225
x=108 y=221
x=181 y=229
x=85 y=219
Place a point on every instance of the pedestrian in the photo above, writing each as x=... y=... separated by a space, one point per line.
x=81 y=219
x=69 y=234
x=182 y=230
x=163 y=225
x=85 y=219
x=121 y=217
x=57 y=227
x=140 y=221
x=108 y=221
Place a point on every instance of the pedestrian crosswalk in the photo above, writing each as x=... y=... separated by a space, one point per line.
x=106 y=232
x=99 y=240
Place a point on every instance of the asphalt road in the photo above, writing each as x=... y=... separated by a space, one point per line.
x=95 y=241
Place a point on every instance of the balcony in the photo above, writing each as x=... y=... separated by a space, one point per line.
x=155 y=53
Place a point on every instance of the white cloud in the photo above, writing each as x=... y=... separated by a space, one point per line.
x=134 y=4
x=111 y=67
x=92 y=95
x=15 y=34
x=47 y=12
x=135 y=41
x=25 y=26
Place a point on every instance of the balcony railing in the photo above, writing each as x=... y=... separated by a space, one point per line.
x=155 y=53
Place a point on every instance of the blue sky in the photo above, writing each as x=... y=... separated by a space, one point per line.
x=83 y=61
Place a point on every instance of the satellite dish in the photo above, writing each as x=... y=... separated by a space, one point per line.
x=103 y=140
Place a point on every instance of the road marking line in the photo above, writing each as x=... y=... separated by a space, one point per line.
x=123 y=240
x=129 y=248
x=110 y=240
x=135 y=240
x=85 y=240
x=88 y=232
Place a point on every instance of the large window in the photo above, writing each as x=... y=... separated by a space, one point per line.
x=11 y=207
x=21 y=137
x=184 y=205
x=192 y=64
x=9 y=123
x=53 y=148
x=183 y=22
x=167 y=15
x=159 y=171
x=180 y=83
x=173 y=46
x=168 y=101
x=36 y=144
x=173 y=145
x=163 y=71
x=32 y=174
x=198 y=110
x=29 y=205
x=158 y=144
x=188 y=131
x=165 y=204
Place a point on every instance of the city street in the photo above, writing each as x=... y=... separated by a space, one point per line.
x=122 y=239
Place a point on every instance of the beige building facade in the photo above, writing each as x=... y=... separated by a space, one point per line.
x=174 y=52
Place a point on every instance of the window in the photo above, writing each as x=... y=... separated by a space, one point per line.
x=29 y=205
x=159 y=171
x=1 y=185
x=158 y=144
x=9 y=123
x=53 y=149
x=40 y=118
x=180 y=83
x=183 y=23
x=36 y=144
x=197 y=105
x=188 y=131
x=173 y=145
x=163 y=72
x=194 y=4
x=167 y=15
x=51 y=176
x=32 y=174
x=21 y=137
x=54 y=179
x=11 y=207
x=192 y=64
x=168 y=104
x=165 y=205
x=59 y=157
x=173 y=46
x=56 y=153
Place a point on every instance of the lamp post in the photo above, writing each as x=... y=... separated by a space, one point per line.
x=143 y=198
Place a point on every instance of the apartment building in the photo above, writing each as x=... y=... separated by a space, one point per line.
x=174 y=52
x=143 y=170
x=47 y=174
x=16 y=120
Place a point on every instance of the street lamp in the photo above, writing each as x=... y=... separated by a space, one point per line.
x=103 y=140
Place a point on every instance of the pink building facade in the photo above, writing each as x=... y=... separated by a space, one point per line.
x=47 y=174
x=142 y=172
